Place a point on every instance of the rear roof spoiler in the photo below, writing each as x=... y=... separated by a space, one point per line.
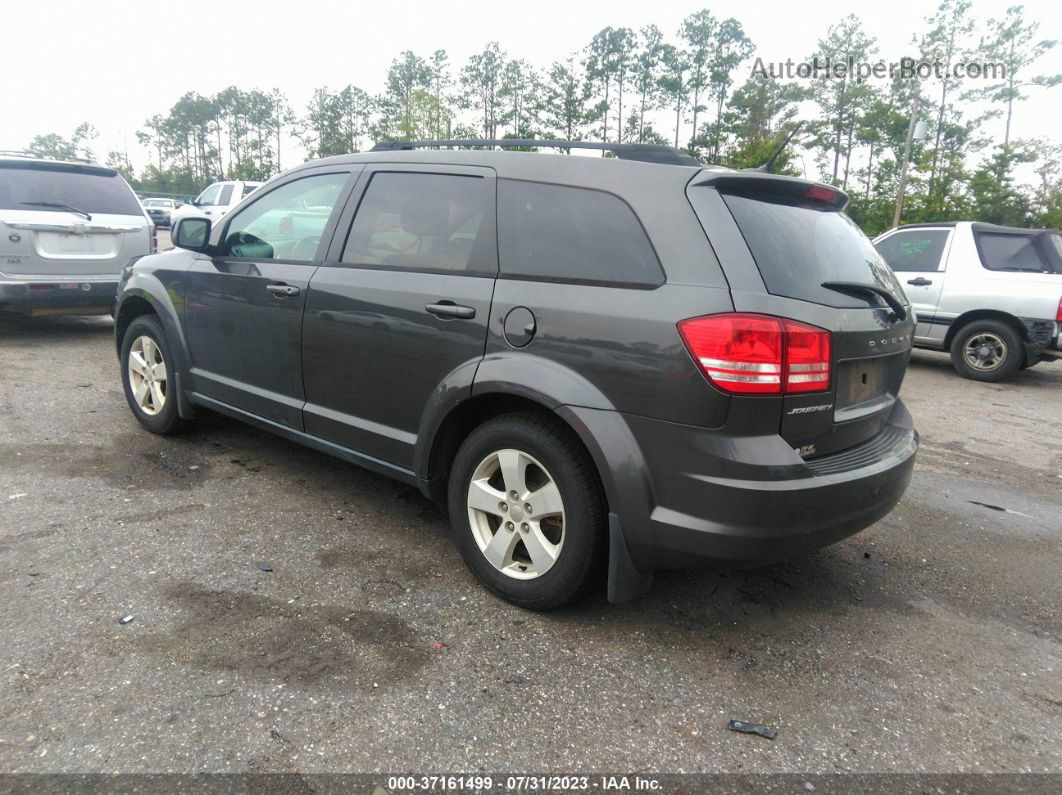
x=761 y=182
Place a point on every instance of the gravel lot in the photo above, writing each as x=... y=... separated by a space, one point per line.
x=928 y=643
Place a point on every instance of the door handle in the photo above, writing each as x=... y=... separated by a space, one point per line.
x=920 y=282
x=448 y=309
x=283 y=290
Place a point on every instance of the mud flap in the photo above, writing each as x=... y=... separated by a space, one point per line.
x=624 y=580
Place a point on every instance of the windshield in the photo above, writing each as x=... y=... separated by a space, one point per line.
x=798 y=245
x=93 y=190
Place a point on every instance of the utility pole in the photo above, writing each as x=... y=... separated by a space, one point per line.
x=915 y=102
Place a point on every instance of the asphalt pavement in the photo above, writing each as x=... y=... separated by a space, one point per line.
x=293 y=612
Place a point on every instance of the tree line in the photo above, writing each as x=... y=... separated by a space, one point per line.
x=692 y=90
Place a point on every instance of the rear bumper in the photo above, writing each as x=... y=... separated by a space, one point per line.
x=741 y=501
x=59 y=296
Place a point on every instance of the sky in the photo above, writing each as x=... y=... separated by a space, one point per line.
x=114 y=64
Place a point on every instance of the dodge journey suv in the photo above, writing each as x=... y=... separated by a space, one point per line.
x=598 y=364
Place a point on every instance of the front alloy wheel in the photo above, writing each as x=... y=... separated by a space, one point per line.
x=516 y=513
x=147 y=375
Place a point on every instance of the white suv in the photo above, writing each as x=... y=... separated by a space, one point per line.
x=215 y=201
x=67 y=228
x=989 y=295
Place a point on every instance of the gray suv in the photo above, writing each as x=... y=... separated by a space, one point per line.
x=67 y=228
x=598 y=364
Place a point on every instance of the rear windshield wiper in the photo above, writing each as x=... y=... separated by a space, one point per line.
x=59 y=206
x=858 y=287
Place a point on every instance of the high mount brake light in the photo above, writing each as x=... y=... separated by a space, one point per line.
x=822 y=193
x=748 y=354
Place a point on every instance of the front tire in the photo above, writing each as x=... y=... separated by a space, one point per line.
x=148 y=376
x=987 y=350
x=527 y=512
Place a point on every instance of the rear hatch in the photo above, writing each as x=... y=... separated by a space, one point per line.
x=67 y=220
x=794 y=255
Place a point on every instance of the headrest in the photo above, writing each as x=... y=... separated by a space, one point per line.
x=423 y=216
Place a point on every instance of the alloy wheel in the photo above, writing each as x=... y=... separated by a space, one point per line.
x=985 y=351
x=148 y=375
x=516 y=514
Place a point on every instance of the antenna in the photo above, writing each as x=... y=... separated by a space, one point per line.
x=766 y=167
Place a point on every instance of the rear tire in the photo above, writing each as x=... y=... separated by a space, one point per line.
x=545 y=557
x=987 y=350
x=148 y=376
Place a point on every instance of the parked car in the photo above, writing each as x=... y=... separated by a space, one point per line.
x=989 y=295
x=67 y=228
x=216 y=200
x=594 y=362
x=159 y=210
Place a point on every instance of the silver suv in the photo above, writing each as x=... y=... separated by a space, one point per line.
x=67 y=228
x=989 y=295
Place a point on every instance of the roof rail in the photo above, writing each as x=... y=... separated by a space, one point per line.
x=648 y=153
x=39 y=156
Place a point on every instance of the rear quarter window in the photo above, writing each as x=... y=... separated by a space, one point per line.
x=558 y=233
x=88 y=188
x=1010 y=252
x=920 y=250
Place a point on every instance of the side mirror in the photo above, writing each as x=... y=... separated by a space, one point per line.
x=192 y=233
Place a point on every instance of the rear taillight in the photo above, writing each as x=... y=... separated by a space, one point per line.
x=1058 y=314
x=154 y=239
x=807 y=358
x=747 y=354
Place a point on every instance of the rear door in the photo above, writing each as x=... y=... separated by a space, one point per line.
x=398 y=315
x=779 y=241
x=919 y=258
x=244 y=304
x=59 y=219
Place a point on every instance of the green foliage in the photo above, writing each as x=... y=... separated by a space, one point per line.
x=687 y=90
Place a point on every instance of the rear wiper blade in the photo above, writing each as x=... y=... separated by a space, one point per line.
x=59 y=206
x=858 y=287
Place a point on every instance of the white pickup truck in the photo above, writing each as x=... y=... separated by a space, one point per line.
x=215 y=202
x=989 y=295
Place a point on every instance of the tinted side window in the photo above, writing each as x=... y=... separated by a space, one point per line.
x=1003 y=252
x=423 y=222
x=285 y=223
x=226 y=194
x=554 y=233
x=917 y=250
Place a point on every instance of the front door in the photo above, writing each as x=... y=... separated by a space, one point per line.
x=917 y=256
x=398 y=315
x=244 y=304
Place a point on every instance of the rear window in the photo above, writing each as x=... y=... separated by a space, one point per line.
x=423 y=222
x=92 y=189
x=798 y=245
x=920 y=250
x=247 y=189
x=1011 y=252
x=554 y=233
